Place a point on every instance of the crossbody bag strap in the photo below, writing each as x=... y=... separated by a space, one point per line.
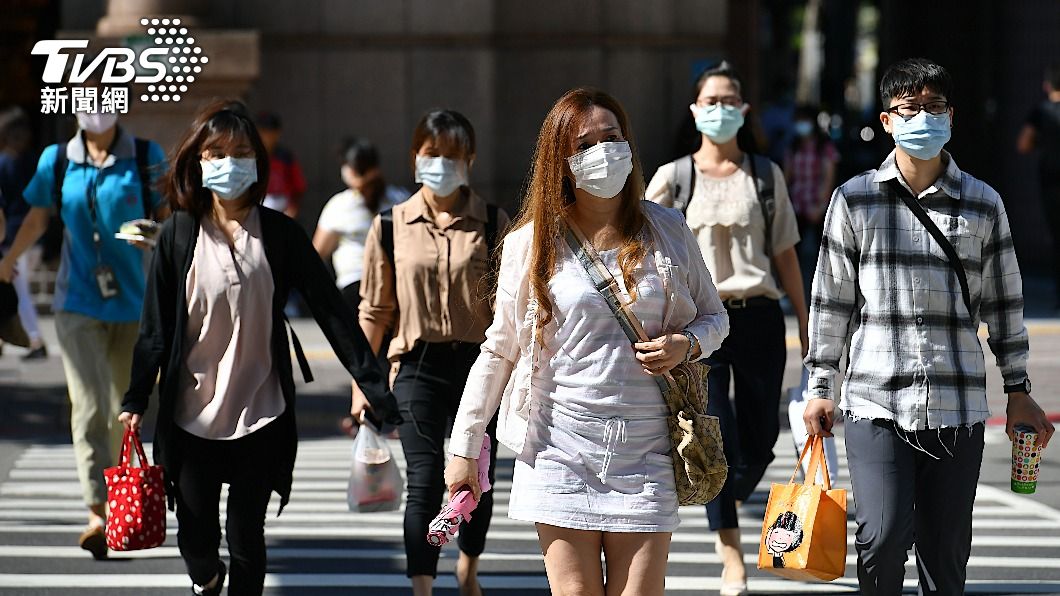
x=940 y=239
x=607 y=285
x=684 y=182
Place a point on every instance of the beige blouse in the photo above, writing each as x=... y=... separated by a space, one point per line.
x=442 y=290
x=726 y=218
x=228 y=387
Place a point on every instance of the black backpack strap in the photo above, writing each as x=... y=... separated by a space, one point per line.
x=386 y=234
x=59 y=175
x=684 y=182
x=143 y=170
x=940 y=239
x=762 y=172
x=299 y=354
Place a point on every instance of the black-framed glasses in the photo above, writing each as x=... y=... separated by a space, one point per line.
x=733 y=101
x=908 y=110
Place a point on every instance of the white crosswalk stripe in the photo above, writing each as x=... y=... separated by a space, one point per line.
x=317 y=545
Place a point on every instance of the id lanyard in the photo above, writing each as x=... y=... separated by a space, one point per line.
x=92 y=188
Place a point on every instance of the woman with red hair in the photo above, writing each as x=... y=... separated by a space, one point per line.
x=575 y=401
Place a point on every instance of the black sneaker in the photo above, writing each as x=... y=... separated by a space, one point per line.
x=216 y=590
x=40 y=353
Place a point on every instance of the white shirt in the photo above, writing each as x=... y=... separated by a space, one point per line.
x=346 y=215
x=726 y=217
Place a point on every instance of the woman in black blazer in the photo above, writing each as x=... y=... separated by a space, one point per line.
x=226 y=405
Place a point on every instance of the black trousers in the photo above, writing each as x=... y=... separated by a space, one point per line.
x=904 y=495
x=428 y=390
x=752 y=359
x=243 y=464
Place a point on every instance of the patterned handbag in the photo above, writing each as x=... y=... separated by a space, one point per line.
x=136 y=498
x=700 y=468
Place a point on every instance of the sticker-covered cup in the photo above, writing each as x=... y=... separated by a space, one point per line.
x=1026 y=460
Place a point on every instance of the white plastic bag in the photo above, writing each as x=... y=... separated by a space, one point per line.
x=797 y=397
x=375 y=481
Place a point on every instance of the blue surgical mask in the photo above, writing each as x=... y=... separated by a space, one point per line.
x=441 y=174
x=719 y=122
x=923 y=135
x=229 y=177
x=804 y=128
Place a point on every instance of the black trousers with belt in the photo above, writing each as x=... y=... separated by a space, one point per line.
x=752 y=359
x=428 y=389
x=244 y=464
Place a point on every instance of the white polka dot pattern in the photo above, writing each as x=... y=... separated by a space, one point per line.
x=137 y=500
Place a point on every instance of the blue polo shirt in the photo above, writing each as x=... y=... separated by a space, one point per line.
x=117 y=200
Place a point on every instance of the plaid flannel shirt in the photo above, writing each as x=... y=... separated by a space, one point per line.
x=885 y=291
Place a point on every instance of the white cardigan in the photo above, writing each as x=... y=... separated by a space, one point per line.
x=500 y=377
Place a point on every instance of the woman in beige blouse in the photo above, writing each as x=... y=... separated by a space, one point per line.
x=748 y=241
x=426 y=267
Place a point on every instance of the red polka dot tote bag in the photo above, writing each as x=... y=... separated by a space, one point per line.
x=136 y=500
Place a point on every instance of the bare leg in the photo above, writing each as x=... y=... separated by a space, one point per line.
x=636 y=563
x=572 y=560
x=422 y=585
x=731 y=553
x=467 y=575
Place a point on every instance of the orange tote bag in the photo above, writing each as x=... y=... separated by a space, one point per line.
x=804 y=533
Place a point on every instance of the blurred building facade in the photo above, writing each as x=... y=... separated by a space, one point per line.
x=335 y=68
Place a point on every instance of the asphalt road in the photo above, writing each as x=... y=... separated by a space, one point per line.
x=318 y=547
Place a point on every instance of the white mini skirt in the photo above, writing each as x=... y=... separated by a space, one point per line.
x=589 y=472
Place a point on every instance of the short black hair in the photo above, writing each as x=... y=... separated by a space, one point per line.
x=360 y=154
x=448 y=125
x=1052 y=75
x=913 y=75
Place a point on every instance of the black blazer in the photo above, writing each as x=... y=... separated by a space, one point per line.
x=160 y=347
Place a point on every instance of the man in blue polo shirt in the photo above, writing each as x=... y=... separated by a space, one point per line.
x=100 y=286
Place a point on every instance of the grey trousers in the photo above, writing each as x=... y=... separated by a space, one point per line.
x=903 y=495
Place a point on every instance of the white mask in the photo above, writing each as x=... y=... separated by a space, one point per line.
x=96 y=123
x=441 y=174
x=229 y=177
x=602 y=169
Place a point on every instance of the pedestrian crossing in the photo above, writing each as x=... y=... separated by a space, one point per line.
x=318 y=547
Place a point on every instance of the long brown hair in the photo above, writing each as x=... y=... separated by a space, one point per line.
x=225 y=124
x=551 y=191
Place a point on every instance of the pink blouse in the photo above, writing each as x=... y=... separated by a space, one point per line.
x=228 y=385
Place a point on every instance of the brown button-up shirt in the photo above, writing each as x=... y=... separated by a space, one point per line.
x=438 y=288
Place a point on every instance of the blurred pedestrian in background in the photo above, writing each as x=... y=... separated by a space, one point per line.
x=347 y=216
x=17 y=165
x=287 y=185
x=809 y=168
x=213 y=325
x=97 y=181
x=578 y=405
x=737 y=205
x=426 y=279
x=1042 y=132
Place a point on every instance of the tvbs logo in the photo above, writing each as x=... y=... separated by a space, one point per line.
x=167 y=68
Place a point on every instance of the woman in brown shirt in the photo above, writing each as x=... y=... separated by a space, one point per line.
x=426 y=280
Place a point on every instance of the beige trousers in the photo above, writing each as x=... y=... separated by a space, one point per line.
x=97 y=358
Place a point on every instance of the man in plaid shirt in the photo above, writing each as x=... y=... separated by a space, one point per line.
x=915 y=388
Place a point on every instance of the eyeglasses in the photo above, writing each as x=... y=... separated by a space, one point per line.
x=908 y=110
x=734 y=101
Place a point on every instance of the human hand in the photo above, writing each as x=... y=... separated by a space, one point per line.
x=1022 y=409
x=662 y=354
x=804 y=336
x=819 y=416
x=131 y=421
x=358 y=402
x=461 y=472
x=7 y=269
